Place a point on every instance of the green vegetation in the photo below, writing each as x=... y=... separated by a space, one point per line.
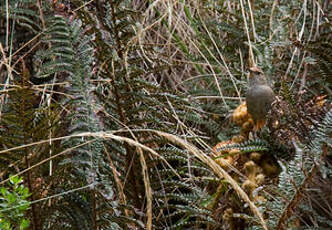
x=13 y=205
x=110 y=111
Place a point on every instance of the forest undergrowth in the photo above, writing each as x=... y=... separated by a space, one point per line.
x=118 y=114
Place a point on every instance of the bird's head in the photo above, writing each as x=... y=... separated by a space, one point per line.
x=256 y=76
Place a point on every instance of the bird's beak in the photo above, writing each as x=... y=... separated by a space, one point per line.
x=254 y=70
x=251 y=73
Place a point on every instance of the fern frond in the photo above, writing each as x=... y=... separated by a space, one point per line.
x=245 y=147
x=293 y=182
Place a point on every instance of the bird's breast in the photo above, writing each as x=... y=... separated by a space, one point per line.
x=259 y=99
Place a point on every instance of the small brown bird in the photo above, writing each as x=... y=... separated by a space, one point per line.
x=259 y=97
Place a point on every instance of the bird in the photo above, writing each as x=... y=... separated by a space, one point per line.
x=259 y=97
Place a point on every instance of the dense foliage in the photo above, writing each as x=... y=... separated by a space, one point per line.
x=110 y=110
